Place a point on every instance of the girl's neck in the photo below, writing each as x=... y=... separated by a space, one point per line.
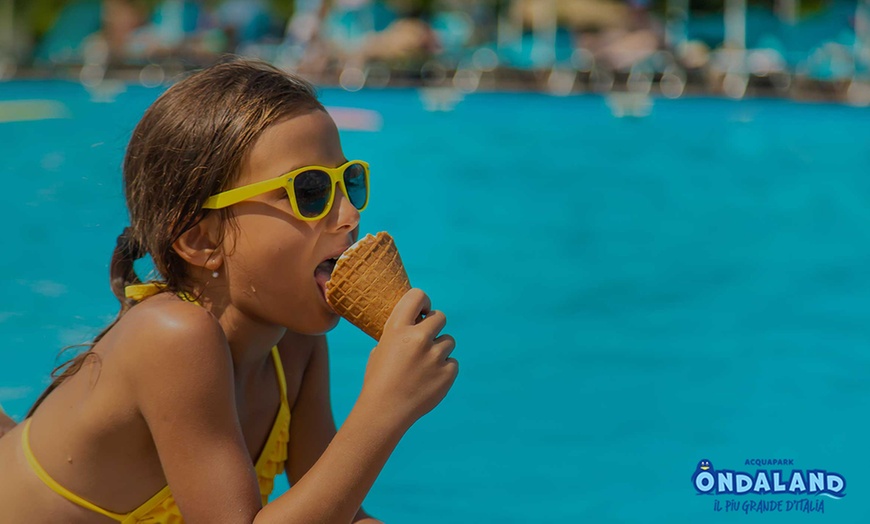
x=250 y=340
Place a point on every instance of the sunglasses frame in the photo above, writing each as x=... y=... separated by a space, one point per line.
x=336 y=175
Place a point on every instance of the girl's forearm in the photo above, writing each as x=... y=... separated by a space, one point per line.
x=333 y=490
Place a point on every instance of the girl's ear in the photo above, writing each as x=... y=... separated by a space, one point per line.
x=199 y=245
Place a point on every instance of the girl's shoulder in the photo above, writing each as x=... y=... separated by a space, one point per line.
x=169 y=312
x=165 y=336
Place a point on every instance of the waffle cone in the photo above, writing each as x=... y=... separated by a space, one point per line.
x=368 y=281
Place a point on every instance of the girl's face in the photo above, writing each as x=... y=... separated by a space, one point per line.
x=270 y=263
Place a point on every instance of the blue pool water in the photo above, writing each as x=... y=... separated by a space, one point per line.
x=628 y=296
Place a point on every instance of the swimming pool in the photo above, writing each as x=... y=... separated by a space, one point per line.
x=629 y=296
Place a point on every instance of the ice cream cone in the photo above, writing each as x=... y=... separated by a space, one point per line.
x=367 y=282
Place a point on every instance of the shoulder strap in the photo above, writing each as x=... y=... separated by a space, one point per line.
x=139 y=292
x=279 y=370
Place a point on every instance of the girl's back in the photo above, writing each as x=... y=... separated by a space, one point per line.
x=91 y=427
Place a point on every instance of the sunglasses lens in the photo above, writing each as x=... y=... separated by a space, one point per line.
x=355 y=182
x=312 y=189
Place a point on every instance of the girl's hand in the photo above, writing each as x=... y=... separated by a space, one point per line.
x=410 y=370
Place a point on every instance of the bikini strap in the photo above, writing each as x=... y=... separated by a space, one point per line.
x=139 y=292
x=279 y=370
x=53 y=485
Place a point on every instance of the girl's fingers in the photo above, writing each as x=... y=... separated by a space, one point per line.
x=434 y=323
x=444 y=346
x=409 y=308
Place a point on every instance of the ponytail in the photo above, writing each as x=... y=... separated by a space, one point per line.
x=121 y=274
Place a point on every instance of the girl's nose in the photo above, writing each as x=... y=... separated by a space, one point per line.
x=347 y=215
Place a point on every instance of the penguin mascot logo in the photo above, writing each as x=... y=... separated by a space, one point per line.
x=705 y=470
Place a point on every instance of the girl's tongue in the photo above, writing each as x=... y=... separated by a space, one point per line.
x=322 y=274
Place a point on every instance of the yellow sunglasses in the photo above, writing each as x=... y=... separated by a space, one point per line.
x=311 y=189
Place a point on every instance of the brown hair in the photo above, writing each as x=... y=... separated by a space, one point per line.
x=190 y=144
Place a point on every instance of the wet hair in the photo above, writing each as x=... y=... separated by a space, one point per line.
x=190 y=144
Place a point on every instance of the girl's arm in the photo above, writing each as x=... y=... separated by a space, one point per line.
x=180 y=372
x=333 y=489
x=407 y=374
x=312 y=425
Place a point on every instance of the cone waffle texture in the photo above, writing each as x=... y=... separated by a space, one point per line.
x=367 y=282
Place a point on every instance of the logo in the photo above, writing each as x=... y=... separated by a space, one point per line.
x=708 y=480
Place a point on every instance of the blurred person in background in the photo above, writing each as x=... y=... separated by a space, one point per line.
x=356 y=32
x=244 y=21
x=120 y=19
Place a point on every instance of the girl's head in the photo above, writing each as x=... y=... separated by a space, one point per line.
x=225 y=127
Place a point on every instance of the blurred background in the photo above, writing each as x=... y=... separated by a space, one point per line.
x=648 y=224
x=795 y=48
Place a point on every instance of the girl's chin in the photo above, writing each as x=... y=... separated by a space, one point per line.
x=319 y=317
x=315 y=327
x=333 y=322
x=326 y=320
x=330 y=317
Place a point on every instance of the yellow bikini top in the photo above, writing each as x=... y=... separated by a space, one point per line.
x=161 y=508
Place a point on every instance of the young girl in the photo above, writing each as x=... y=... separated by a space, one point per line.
x=214 y=380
